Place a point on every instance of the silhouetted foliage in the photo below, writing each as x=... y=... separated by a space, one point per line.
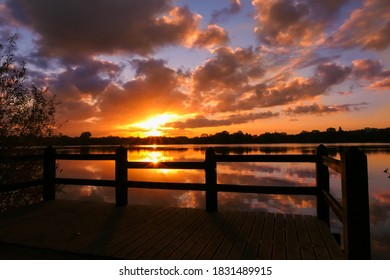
x=26 y=111
x=368 y=135
x=27 y=114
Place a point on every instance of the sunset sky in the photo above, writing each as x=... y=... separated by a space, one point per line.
x=186 y=67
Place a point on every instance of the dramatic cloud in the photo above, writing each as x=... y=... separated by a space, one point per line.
x=79 y=88
x=89 y=94
x=367 y=27
x=73 y=30
x=112 y=64
x=91 y=77
x=294 y=23
x=222 y=80
x=330 y=74
x=319 y=109
x=381 y=85
x=211 y=37
x=225 y=13
x=154 y=90
x=201 y=121
x=371 y=72
x=369 y=69
x=297 y=89
x=229 y=69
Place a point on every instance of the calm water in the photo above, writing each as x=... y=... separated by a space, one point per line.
x=282 y=174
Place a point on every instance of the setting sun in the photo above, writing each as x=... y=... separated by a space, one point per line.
x=154 y=125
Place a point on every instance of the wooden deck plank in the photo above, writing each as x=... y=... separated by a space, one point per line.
x=279 y=242
x=292 y=246
x=98 y=230
x=167 y=235
x=177 y=240
x=213 y=245
x=232 y=234
x=254 y=241
x=265 y=252
x=195 y=239
x=241 y=241
x=132 y=228
x=304 y=241
x=331 y=243
x=217 y=222
x=141 y=237
x=134 y=220
x=318 y=243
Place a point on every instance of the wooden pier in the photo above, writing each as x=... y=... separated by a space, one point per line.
x=58 y=229
x=94 y=230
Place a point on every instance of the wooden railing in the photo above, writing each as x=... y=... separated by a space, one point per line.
x=352 y=211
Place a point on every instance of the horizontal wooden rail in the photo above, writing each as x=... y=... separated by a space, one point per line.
x=85 y=182
x=291 y=190
x=332 y=163
x=85 y=157
x=265 y=158
x=166 y=165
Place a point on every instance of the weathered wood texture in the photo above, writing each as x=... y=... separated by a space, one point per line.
x=95 y=230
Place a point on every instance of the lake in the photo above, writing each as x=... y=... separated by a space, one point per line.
x=281 y=174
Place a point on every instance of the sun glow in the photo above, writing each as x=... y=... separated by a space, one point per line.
x=155 y=157
x=155 y=125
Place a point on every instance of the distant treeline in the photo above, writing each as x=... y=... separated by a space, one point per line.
x=331 y=135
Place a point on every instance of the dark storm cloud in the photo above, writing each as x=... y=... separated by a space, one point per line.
x=75 y=29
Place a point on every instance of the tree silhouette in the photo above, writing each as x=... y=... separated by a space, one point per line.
x=26 y=111
x=27 y=114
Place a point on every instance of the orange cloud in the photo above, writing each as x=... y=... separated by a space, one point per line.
x=367 y=27
x=290 y=23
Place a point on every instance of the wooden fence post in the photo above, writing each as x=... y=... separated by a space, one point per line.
x=211 y=181
x=322 y=178
x=49 y=174
x=121 y=176
x=356 y=224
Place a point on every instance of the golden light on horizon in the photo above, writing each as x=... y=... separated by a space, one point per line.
x=155 y=125
x=154 y=157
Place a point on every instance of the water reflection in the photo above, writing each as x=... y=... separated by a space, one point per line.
x=276 y=174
